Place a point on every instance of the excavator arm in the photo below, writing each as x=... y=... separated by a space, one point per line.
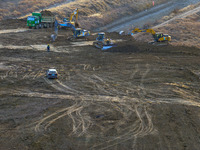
x=150 y=31
x=158 y=37
x=75 y=13
x=143 y=30
x=137 y=30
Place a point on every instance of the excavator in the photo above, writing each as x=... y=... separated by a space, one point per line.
x=102 y=42
x=68 y=22
x=77 y=32
x=158 y=37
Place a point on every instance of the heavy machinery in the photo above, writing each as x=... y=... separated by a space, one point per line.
x=39 y=20
x=102 y=42
x=68 y=22
x=79 y=33
x=158 y=37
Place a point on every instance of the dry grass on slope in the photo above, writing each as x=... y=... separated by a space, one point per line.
x=17 y=8
x=93 y=13
x=185 y=31
x=96 y=13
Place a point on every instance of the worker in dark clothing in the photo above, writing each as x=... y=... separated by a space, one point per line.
x=48 y=48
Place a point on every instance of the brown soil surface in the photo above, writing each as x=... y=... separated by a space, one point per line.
x=134 y=96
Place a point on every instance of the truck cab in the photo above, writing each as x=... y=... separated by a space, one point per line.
x=34 y=20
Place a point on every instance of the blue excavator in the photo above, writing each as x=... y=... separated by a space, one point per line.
x=69 y=23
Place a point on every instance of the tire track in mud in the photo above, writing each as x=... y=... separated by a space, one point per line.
x=80 y=123
x=68 y=88
x=95 y=85
x=16 y=71
x=42 y=121
x=143 y=129
x=138 y=129
x=13 y=30
x=59 y=87
x=192 y=99
x=143 y=93
x=134 y=72
x=85 y=121
x=100 y=84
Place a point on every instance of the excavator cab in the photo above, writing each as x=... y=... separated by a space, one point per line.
x=160 y=37
x=77 y=32
x=101 y=36
x=157 y=36
x=65 y=20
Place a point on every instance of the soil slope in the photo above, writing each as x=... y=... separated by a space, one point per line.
x=134 y=96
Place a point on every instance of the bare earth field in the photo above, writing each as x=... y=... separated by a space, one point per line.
x=134 y=96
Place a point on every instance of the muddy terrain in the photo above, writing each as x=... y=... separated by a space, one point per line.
x=134 y=96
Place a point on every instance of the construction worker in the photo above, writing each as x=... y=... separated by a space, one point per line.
x=48 y=48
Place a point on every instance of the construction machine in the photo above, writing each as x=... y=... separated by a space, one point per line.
x=44 y=19
x=102 y=42
x=79 y=33
x=158 y=37
x=68 y=22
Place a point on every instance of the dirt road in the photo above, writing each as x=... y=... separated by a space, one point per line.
x=146 y=17
x=136 y=96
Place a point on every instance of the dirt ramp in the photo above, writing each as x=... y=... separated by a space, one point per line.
x=12 y=24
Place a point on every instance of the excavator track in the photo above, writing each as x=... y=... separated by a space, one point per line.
x=159 y=43
x=98 y=45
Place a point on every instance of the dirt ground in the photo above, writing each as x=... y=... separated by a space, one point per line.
x=134 y=96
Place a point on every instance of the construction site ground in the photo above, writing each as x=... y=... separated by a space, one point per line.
x=134 y=96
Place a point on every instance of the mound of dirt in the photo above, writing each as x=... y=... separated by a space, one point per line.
x=46 y=13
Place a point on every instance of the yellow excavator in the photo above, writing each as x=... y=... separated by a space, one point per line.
x=75 y=13
x=68 y=22
x=79 y=34
x=158 y=36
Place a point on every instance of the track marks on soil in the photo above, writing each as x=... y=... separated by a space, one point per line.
x=58 y=85
x=125 y=105
x=140 y=127
x=80 y=123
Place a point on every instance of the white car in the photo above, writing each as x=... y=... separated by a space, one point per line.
x=52 y=74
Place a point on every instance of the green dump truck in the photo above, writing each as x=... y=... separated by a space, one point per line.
x=44 y=19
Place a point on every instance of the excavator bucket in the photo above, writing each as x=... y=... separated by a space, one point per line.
x=77 y=25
